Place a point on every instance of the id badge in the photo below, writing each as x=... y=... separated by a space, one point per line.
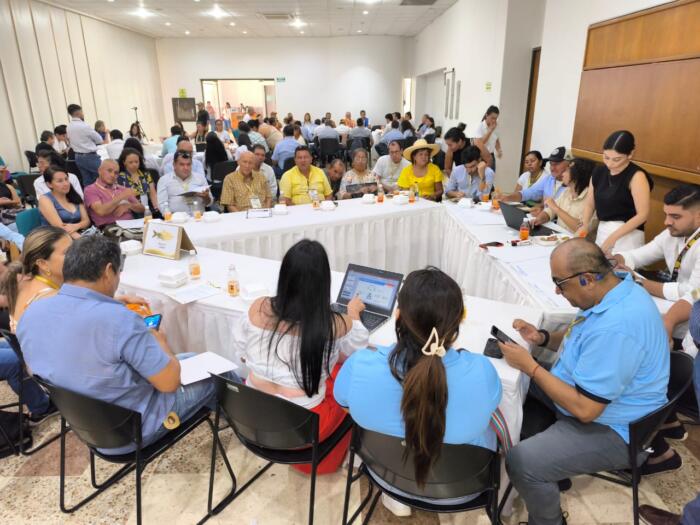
x=255 y=203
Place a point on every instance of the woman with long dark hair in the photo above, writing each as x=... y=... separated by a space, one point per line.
x=620 y=194
x=422 y=389
x=135 y=131
x=133 y=174
x=150 y=161
x=534 y=169
x=292 y=342
x=216 y=152
x=456 y=142
x=62 y=207
x=486 y=132
x=407 y=129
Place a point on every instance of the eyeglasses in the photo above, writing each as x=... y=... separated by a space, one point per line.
x=559 y=282
x=122 y=260
x=183 y=155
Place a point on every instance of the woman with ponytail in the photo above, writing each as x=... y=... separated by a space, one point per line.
x=422 y=389
x=292 y=343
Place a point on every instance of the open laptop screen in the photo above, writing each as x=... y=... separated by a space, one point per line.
x=377 y=289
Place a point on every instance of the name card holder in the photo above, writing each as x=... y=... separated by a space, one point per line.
x=164 y=239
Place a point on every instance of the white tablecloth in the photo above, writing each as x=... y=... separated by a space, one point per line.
x=398 y=238
x=207 y=324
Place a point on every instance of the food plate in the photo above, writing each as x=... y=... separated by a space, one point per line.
x=484 y=206
x=550 y=240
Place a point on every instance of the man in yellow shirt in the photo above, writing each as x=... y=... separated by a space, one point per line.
x=297 y=183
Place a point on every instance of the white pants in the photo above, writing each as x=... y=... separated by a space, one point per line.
x=632 y=240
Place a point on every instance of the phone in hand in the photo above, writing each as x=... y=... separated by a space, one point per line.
x=492 y=349
x=153 y=321
x=500 y=335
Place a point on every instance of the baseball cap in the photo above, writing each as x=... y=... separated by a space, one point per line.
x=559 y=154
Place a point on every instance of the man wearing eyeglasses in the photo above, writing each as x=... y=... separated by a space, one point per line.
x=613 y=368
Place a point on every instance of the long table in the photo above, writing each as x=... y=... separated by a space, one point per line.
x=207 y=324
x=394 y=237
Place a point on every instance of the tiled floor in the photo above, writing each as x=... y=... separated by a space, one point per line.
x=175 y=490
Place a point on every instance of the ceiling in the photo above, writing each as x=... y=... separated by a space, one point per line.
x=247 y=18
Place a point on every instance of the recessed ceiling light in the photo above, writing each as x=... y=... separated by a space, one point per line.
x=359 y=30
x=365 y=12
x=142 y=12
x=110 y=0
x=168 y=24
x=232 y=24
x=301 y=32
x=297 y=22
x=187 y=32
x=217 y=12
x=245 y=32
x=196 y=0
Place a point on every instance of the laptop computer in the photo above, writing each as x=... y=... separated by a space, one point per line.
x=514 y=218
x=378 y=289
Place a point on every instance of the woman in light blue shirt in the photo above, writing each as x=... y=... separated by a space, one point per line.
x=387 y=390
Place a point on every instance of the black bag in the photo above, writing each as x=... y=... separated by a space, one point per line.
x=9 y=429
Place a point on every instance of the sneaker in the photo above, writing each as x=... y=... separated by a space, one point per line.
x=564 y=515
x=395 y=507
x=37 y=419
x=677 y=433
x=564 y=484
x=673 y=463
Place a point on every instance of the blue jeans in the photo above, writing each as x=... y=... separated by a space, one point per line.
x=189 y=399
x=88 y=164
x=9 y=233
x=34 y=397
x=691 y=512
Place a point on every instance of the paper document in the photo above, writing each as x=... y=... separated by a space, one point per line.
x=258 y=213
x=194 y=191
x=130 y=223
x=190 y=294
x=199 y=367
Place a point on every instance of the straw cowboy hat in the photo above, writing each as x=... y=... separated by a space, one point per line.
x=421 y=144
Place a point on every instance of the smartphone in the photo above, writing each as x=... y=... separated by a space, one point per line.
x=495 y=244
x=502 y=337
x=153 y=321
x=492 y=349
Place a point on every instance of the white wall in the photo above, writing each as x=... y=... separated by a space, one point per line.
x=469 y=37
x=50 y=57
x=321 y=74
x=563 y=45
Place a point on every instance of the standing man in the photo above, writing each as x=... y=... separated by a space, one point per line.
x=245 y=188
x=264 y=168
x=613 y=368
x=297 y=183
x=389 y=167
x=172 y=186
x=84 y=141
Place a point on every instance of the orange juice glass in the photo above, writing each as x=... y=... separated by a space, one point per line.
x=495 y=204
x=484 y=197
x=167 y=215
x=197 y=215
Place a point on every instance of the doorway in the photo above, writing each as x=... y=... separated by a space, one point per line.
x=531 y=98
x=241 y=94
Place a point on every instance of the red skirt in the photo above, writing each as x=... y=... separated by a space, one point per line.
x=331 y=415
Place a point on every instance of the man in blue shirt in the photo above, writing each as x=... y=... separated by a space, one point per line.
x=613 y=368
x=472 y=178
x=170 y=144
x=84 y=340
x=284 y=149
x=550 y=184
x=393 y=133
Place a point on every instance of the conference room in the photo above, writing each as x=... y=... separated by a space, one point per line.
x=342 y=261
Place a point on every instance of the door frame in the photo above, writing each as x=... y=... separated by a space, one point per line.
x=531 y=99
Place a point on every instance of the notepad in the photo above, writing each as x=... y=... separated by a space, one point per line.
x=200 y=367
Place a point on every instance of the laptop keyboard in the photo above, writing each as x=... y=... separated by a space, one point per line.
x=369 y=320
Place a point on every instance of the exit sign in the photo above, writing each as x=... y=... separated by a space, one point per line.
x=279 y=80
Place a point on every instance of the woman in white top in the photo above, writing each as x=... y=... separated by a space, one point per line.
x=223 y=135
x=568 y=208
x=359 y=176
x=292 y=343
x=487 y=133
x=534 y=164
x=226 y=114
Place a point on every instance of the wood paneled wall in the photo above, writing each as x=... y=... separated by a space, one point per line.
x=51 y=57
x=642 y=73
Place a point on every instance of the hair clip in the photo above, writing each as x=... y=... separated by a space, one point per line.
x=434 y=348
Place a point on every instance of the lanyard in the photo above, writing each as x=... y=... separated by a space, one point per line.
x=677 y=264
x=574 y=322
x=46 y=281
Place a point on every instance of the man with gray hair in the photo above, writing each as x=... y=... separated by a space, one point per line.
x=83 y=340
x=613 y=369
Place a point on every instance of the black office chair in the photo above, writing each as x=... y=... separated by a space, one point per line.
x=72 y=167
x=24 y=448
x=26 y=187
x=31 y=159
x=329 y=149
x=409 y=141
x=288 y=164
x=99 y=424
x=272 y=428
x=643 y=430
x=358 y=143
x=200 y=147
x=381 y=148
x=221 y=169
x=460 y=470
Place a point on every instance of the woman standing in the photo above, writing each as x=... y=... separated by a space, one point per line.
x=292 y=342
x=620 y=194
x=422 y=172
x=223 y=135
x=132 y=174
x=226 y=115
x=62 y=207
x=359 y=176
x=488 y=135
x=534 y=164
x=568 y=208
x=456 y=142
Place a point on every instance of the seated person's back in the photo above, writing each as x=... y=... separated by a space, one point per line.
x=459 y=388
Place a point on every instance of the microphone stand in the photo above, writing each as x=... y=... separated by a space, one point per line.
x=138 y=123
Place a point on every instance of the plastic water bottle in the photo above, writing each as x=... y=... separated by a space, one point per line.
x=233 y=285
x=194 y=267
